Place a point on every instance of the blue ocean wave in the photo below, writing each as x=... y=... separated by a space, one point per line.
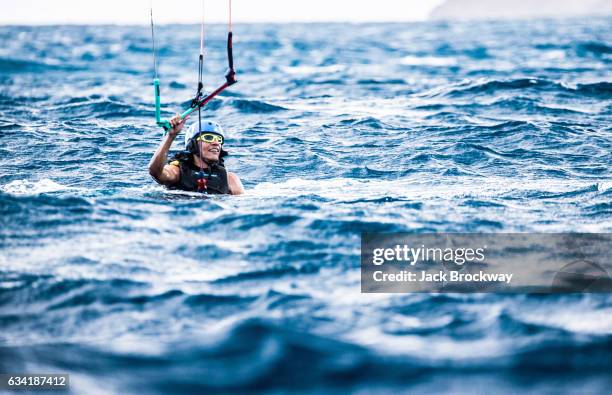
x=524 y=85
x=255 y=106
x=593 y=47
x=96 y=107
x=263 y=361
x=15 y=65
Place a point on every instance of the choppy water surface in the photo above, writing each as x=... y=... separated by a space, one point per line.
x=334 y=130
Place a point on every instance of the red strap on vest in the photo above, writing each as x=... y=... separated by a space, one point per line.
x=201 y=184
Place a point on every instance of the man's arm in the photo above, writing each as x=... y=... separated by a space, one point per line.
x=162 y=173
x=235 y=185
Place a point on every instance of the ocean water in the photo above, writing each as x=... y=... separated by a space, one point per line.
x=335 y=129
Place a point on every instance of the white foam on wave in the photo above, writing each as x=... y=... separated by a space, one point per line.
x=378 y=108
x=456 y=198
x=584 y=317
x=434 y=61
x=27 y=187
x=443 y=348
x=346 y=189
x=308 y=70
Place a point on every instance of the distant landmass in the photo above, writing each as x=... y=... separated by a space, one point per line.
x=519 y=9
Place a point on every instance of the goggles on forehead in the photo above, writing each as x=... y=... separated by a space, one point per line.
x=210 y=138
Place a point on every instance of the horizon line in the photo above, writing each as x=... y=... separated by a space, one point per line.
x=313 y=22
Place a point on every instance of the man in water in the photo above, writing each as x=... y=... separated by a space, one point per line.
x=200 y=167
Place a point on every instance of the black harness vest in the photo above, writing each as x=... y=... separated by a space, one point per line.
x=212 y=180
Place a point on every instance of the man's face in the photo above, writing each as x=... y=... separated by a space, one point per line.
x=210 y=151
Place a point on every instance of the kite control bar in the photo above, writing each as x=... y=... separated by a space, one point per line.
x=198 y=102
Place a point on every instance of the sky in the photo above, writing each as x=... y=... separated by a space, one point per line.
x=189 y=11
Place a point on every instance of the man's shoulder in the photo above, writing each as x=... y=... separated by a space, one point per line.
x=235 y=184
